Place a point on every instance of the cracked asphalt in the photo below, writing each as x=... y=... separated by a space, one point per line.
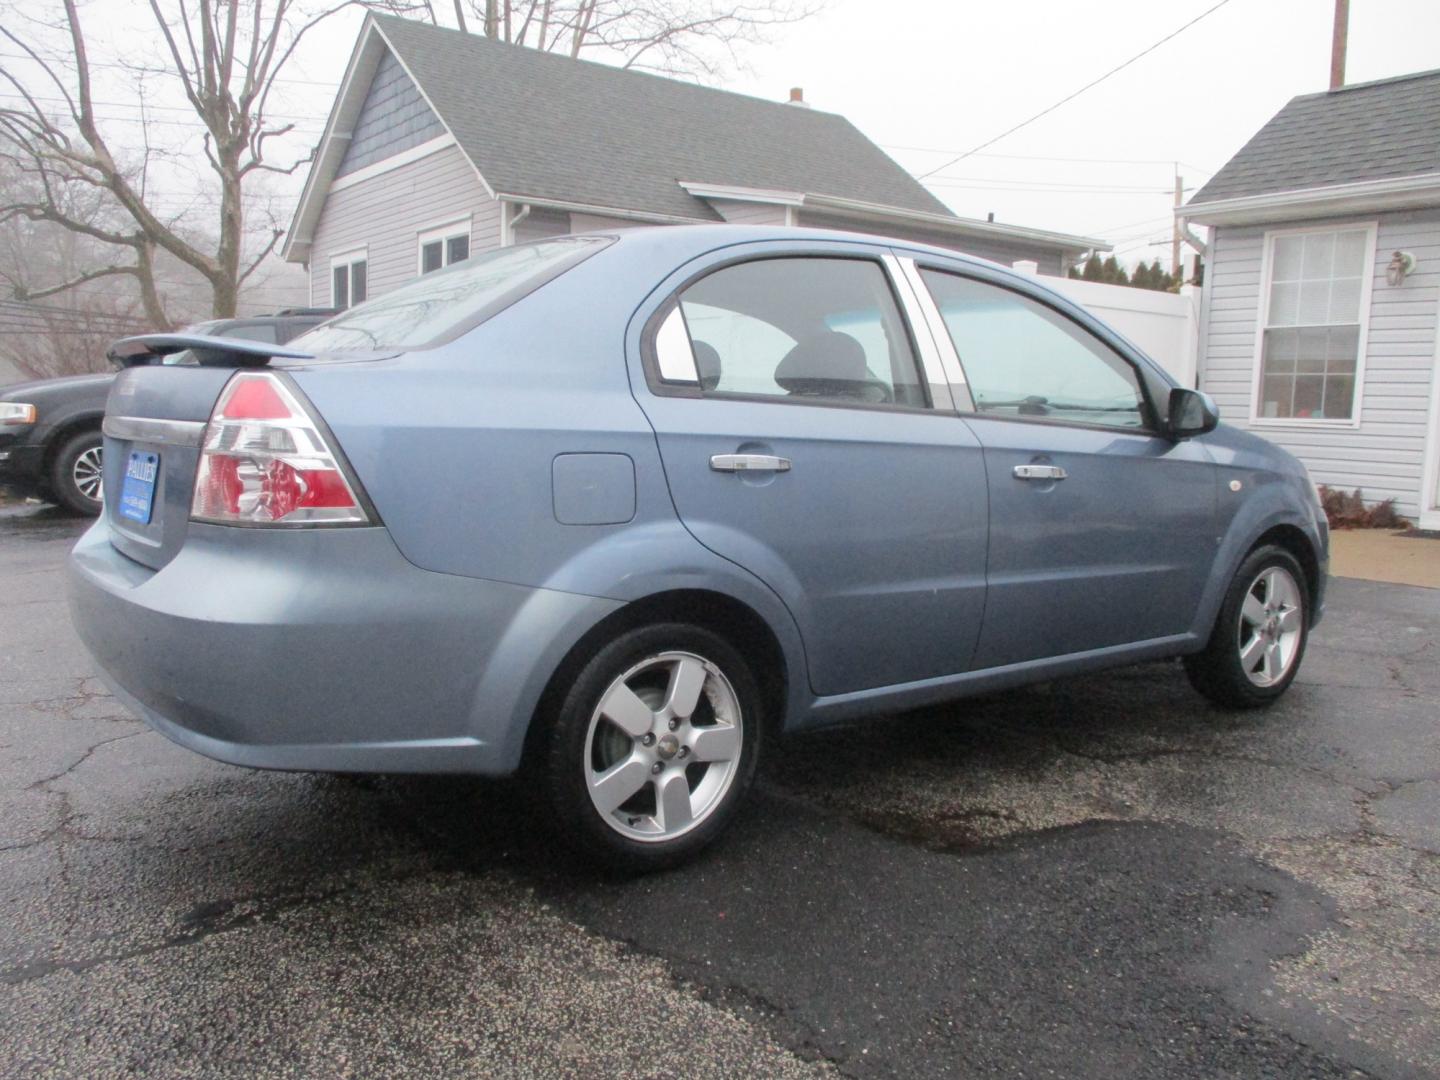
x=1099 y=877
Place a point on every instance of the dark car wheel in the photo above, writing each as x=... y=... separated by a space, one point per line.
x=1259 y=636
x=75 y=474
x=653 y=747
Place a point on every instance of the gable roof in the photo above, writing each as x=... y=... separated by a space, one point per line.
x=548 y=126
x=554 y=131
x=1377 y=131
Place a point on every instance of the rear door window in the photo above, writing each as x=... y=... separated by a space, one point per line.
x=805 y=330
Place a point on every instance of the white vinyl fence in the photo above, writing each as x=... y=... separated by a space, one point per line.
x=1166 y=326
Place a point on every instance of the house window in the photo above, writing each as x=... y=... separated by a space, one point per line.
x=1314 y=323
x=440 y=247
x=348 y=275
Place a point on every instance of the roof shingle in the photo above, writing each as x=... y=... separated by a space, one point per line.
x=553 y=128
x=1369 y=131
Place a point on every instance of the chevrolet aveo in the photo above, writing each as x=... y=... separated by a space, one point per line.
x=619 y=509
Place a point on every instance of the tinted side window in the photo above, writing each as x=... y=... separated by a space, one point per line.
x=252 y=332
x=1023 y=359
x=806 y=329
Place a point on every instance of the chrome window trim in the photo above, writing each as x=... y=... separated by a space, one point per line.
x=149 y=430
x=949 y=358
x=923 y=333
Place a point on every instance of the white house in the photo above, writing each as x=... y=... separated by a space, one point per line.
x=1318 y=325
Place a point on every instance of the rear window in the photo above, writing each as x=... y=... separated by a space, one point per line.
x=441 y=306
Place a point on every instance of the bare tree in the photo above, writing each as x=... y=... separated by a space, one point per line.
x=226 y=56
x=696 y=38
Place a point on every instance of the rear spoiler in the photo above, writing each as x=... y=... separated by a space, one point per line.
x=209 y=351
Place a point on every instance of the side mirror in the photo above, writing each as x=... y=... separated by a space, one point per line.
x=1191 y=413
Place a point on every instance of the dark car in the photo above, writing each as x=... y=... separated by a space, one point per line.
x=50 y=442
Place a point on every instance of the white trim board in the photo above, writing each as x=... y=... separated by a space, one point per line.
x=1429 y=499
x=1366 y=196
x=395 y=161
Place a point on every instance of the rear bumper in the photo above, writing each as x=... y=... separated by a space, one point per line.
x=322 y=650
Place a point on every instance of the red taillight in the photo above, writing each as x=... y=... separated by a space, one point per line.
x=264 y=461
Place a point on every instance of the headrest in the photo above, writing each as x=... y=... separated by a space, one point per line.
x=707 y=364
x=824 y=364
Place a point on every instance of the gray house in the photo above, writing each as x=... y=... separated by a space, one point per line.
x=443 y=144
x=1322 y=293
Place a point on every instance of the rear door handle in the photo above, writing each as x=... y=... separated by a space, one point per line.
x=1040 y=472
x=749 y=463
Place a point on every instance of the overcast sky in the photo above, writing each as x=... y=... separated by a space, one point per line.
x=930 y=79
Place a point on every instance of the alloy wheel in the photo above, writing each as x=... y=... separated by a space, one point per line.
x=663 y=746
x=1271 y=622
x=88 y=473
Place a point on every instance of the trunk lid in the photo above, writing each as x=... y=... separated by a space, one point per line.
x=154 y=420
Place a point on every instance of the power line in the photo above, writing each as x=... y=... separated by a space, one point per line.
x=1040 y=157
x=1071 y=97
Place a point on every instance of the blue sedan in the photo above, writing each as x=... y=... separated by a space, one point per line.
x=622 y=508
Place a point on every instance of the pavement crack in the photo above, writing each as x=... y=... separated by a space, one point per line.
x=44 y=780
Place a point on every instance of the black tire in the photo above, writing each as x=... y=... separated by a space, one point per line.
x=1219 y=672
x=569 y=755
x=64 y=484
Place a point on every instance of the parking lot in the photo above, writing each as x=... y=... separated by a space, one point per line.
x=1102 y=877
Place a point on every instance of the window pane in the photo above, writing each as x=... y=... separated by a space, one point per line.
x=1343 y=348
x=340 y=287
x=1023 y=359
x=1345 y=300
x=431 y=257
x=1308 y=393
x=1319 y=259
x=1285 y=304
x=1287 y=258
x=1275 y=394
x=1314 y=344
x=357 y=282
x=1314 y=303
x=1350 y=254
x=1281 y=348
x=803 y=328
x=457 y=249
x=1339 y=397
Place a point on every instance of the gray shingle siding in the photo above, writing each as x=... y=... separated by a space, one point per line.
x=394 y=118
x=1370 y=131
x=1385 y=454
x=385 y=214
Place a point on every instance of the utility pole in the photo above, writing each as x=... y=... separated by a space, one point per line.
x=1338 y=44
x=1175 y=235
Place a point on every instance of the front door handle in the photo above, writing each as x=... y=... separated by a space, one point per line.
x=1040 y=472
x=749 y=463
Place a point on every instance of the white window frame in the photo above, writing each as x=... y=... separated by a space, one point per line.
x=1367 y=283
x=348 y=259
x=444 y=231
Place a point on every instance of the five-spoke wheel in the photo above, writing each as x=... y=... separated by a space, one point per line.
x=654 y=745
x=1259 y=636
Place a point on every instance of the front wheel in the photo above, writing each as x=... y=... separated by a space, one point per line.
x=653 y=747
x=75 y=475
x=1260 y=634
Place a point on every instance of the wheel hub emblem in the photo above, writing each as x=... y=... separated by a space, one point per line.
x=667 y=747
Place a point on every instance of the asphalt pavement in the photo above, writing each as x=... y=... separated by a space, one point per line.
x=1098 y=877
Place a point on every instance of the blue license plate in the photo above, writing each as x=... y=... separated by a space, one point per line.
x=137 y=494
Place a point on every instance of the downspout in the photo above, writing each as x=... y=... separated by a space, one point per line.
x=508 y=240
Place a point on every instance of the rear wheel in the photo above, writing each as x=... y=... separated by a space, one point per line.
x=653 y=747
x=75 y=474
x=1260 y=634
